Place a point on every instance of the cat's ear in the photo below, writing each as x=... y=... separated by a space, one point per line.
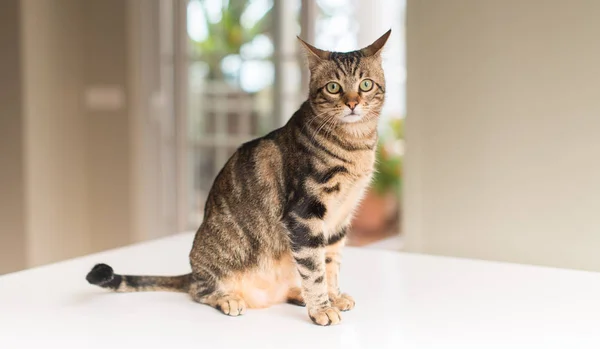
x=375 y=47
x=313 y=54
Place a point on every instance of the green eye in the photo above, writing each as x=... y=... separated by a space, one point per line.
x=366 y=85
x=333 y=87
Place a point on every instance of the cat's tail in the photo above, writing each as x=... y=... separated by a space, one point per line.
x=104 y=276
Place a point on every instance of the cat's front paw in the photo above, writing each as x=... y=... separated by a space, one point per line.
x=326 y=316
x=342 y=302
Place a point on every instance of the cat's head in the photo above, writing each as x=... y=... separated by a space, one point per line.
x=347 y=87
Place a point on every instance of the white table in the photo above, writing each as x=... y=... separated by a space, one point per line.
x=403 y=301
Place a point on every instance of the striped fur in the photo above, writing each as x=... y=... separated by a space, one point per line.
x=277 y=215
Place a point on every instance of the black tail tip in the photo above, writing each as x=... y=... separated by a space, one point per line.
x=100 y=274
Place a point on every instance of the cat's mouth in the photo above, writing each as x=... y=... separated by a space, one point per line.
x=351 y=117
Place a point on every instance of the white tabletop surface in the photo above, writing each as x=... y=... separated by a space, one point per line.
x=402 y=301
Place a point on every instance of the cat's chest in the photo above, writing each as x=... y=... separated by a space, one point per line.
x=342 y=204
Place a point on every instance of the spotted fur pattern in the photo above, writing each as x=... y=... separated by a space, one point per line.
x=276 y=218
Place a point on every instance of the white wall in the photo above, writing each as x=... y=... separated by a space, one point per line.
x=58 y=216
x=12 y=188
x=76 y=179
x=108 y=134
x=76 y=159
x=503 y=130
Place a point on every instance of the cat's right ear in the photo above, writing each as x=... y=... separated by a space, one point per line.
x=313 y=54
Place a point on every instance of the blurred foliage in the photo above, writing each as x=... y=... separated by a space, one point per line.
x=227 y=36
x=390 y=149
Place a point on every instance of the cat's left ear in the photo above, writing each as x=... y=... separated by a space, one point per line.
x=313 y=54
x=375 y=47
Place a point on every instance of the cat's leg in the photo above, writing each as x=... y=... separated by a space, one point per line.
x=339 y=300
x=206 y=291
x=311 y=265
x=308 y=249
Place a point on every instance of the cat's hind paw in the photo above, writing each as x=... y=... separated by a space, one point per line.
x=232 y=306
x=343 y=302
x=295 y=297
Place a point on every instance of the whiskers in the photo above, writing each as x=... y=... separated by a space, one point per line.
x=325 y=122
x=312 y=119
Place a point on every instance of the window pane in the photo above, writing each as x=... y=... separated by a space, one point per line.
x=231 y=84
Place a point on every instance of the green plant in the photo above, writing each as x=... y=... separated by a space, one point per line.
x=388 y=175
x=227 y=36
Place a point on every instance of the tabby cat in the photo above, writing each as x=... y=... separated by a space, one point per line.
x=277 y=214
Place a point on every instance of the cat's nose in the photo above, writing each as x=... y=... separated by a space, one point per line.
x=351 y=104
x=351 y=99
